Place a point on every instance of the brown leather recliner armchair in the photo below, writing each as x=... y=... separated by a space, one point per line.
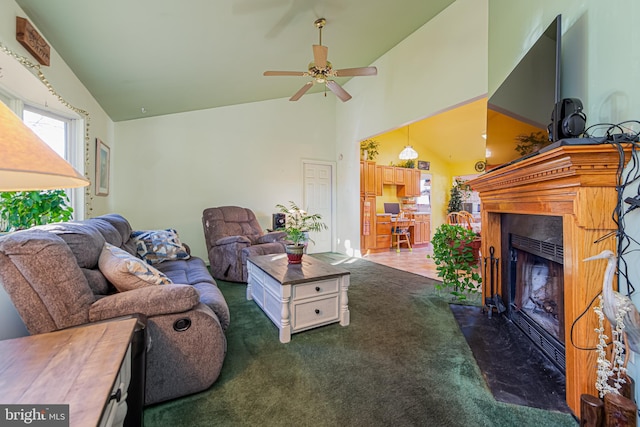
x=232 y=234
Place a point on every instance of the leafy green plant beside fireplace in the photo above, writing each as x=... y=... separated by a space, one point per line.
x=455 y=254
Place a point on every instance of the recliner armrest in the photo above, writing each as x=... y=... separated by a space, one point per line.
x=232 y=239
x=273 y=236
x=151 y=301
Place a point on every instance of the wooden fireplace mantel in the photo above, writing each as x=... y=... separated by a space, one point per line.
x=577 y=183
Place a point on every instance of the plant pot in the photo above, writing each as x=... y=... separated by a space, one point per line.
x=294 y=253
x=474 y=245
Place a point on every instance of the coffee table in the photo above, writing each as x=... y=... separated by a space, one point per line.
x=297 y=297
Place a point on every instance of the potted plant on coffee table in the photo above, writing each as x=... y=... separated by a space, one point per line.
x=455 y=253
x=298 y=224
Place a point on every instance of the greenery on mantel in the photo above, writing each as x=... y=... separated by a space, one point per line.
x=527 y=144
x=20 y=210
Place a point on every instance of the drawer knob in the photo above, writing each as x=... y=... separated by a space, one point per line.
x=317 y=311
x=317 y=288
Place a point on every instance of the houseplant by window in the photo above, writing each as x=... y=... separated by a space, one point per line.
x=298 y=224
x=24 y=209
x=456 y=260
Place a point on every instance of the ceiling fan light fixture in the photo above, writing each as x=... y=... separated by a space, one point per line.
x=408 y=153
x=321 y=70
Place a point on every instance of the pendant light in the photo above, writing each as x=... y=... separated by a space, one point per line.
x=408 y=153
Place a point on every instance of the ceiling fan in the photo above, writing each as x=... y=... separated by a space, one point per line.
x=322 y=71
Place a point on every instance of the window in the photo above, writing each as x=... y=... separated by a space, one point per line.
x=56 y=131
x=51 y=129
x=63 y=134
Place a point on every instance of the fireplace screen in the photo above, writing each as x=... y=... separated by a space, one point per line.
x=539 y=292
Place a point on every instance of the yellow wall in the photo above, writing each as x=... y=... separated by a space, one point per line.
x=442 y=171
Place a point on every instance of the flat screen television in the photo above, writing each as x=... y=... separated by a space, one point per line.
x=519 y=111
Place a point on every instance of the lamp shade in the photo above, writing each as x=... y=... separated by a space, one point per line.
x=408 y=153
x=27 y=162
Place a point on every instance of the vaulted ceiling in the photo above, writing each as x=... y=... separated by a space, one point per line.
x=145 y=58
x=168 y=56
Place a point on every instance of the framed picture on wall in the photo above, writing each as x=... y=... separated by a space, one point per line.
x=102 y=168
x=422 y=165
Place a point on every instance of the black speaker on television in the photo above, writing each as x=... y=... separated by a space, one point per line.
x=567 y=120
x=279 y=220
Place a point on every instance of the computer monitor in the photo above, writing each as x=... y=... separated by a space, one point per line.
x=392 y=208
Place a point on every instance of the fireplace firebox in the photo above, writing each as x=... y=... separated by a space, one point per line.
x=536 y=294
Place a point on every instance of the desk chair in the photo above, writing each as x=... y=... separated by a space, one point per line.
x=400 y=232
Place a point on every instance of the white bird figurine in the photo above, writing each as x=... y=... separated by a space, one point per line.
x=612 y=301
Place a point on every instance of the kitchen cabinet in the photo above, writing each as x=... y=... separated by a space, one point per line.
x=388 y=175
x=411 y=186
x=367 y=223
x=367 y=178
x=383 y=231
x=379 y=184
x=399 y=176
x=422 y=229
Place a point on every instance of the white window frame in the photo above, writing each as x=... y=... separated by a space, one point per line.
x=74 y=144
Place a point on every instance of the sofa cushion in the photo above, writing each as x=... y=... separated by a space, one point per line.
x=127 y=272
x=84 y=240
x=124 y=228
x=108 y=231
x=43 y=279
x=97 y=282
x=155 y=246
x=187 y=271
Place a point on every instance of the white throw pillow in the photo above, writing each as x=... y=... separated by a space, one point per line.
x=127 y=272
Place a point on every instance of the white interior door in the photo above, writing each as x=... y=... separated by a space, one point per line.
x=318 y=198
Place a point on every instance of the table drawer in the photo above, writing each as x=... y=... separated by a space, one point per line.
x=313 y=313
x=314 y=289
x=257 y=293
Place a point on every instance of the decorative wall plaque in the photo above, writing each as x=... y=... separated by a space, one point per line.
x=32 y=41
x=422 y=165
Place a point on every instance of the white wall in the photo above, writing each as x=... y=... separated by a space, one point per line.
x=170 y=168
x=442 y=64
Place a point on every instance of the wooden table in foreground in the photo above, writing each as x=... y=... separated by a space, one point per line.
x=297 y=297
x=82 y=367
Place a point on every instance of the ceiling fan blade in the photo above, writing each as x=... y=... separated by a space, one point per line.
x=362 y=71
x=301 y=92
x=320 y=55
x=284 y=73
x=338 y=90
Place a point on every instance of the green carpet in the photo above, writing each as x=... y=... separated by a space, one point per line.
x=401 y=362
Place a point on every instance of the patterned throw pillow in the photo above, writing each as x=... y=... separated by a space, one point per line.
x=126 y=272
x=155 y=246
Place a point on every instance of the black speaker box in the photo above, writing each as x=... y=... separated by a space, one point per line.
x=279 y=220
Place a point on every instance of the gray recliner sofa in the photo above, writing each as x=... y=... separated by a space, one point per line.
x=232 y=234
x=52 y=277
